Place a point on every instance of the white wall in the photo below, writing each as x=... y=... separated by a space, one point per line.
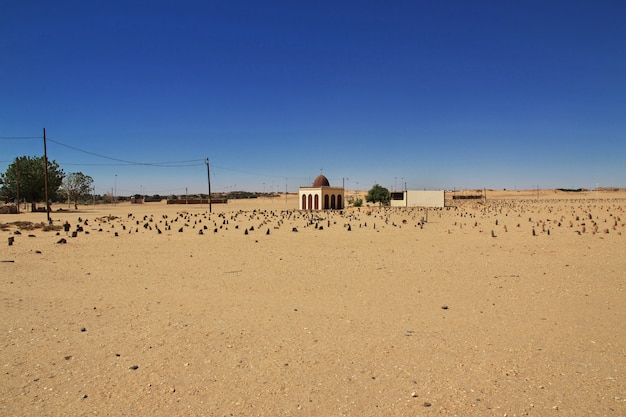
x=416 y=198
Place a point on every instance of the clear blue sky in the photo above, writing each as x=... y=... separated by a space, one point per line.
x=440 y=94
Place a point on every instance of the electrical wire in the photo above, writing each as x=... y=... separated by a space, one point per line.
x=175 y=164
x=19 y=137
x=124 y=162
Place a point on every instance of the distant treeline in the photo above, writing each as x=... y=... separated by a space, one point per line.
x=152 y=199
x=467 y=197
x=198 y=201
x=571 y=190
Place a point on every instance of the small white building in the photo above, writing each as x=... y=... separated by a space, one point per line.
x=321 y=196
x=417 y=198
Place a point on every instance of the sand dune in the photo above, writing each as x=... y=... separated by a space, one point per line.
x=514 y=306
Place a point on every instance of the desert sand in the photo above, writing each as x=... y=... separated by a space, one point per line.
x=513 y=306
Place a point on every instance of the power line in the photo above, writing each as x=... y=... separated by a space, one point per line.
x=124 y=162
x=175 y=164
x=19 y=137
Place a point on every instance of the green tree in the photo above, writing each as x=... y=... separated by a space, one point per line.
x=24 y=178
x=378 y=194
x=76 y=186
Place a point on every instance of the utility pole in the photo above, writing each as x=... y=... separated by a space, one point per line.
x=17 y=197
x=208 y=174
x=45 y=176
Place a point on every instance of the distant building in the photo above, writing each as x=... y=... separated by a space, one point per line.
x=417 y=198
x=321 y=196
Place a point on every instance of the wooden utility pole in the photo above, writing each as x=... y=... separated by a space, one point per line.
x=17 y=169
x=208 y=173
x=45 y=176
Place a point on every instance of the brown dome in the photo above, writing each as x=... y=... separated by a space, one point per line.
x=321 y=181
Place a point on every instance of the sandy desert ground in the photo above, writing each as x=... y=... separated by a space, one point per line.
x=510 y=307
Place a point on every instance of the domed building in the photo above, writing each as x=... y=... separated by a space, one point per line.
x=321 y=196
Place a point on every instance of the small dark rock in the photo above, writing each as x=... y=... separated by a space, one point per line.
x=134 y=367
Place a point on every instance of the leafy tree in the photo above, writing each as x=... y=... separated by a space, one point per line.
x=356 y=202
x=76 y=186
x=25 y=177
x=378 y=194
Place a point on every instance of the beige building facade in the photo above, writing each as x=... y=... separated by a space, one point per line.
x=321 y=196
x=417 y=198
